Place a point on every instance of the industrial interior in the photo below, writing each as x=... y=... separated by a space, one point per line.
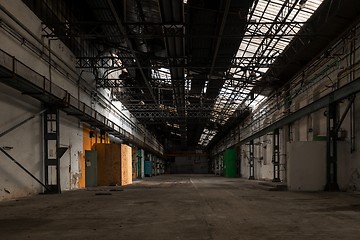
x=179 y=119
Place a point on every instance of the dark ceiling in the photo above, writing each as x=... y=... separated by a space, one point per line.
x=169 y=61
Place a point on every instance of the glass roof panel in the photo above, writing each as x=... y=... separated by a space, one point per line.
x=161 y=77
x=271 y=26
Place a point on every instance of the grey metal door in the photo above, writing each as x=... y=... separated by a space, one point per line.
x=90 y=168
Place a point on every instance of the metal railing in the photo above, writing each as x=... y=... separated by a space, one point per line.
x=21 y=77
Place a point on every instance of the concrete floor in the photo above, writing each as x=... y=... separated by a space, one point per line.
x=182 y=207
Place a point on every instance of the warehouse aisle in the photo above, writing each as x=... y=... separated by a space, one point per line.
x=182 y=207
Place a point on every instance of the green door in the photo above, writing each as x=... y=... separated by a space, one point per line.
x=90 y=168
x=230 y=162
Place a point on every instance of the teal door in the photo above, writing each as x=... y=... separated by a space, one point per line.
x=148 y=168
x=90 y=168
x=139 y=157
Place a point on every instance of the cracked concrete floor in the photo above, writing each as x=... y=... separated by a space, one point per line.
x=182 y=207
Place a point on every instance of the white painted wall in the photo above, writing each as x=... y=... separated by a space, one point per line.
x=66 y=79
x=201 y=164
x=263 y=159
x=306 y=166
x=27 y=146
x=266 y=172
x=18 y=106
x=345 y=167
x=305 y=161
x=349 y=162
x=71 y=136
x=190 y=164
x=25 y=141
x=245 y=166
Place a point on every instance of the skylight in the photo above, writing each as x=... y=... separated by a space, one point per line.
x=161 y=77
x=271 y=26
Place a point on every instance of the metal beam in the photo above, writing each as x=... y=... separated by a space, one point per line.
x=251 y=160
x=280 y=36
x=173 y=11
x=129 y=44
x=218 y=41
x=155 y=107
x=351 y=101
x=174 y=62
x=279 y=24
x=195 y=66
x=339 y=94
x=156 y=59
x=21 y=123
x=73 y=106
x=51 y=143
x=331 y=148
x=276 y=155
x=255 y=30
x=171 y=115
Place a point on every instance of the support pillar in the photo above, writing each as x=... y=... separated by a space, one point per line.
x=276 y=155
x=251 y=160
x=139 y=157
x=51 y=151
x=331 y=149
